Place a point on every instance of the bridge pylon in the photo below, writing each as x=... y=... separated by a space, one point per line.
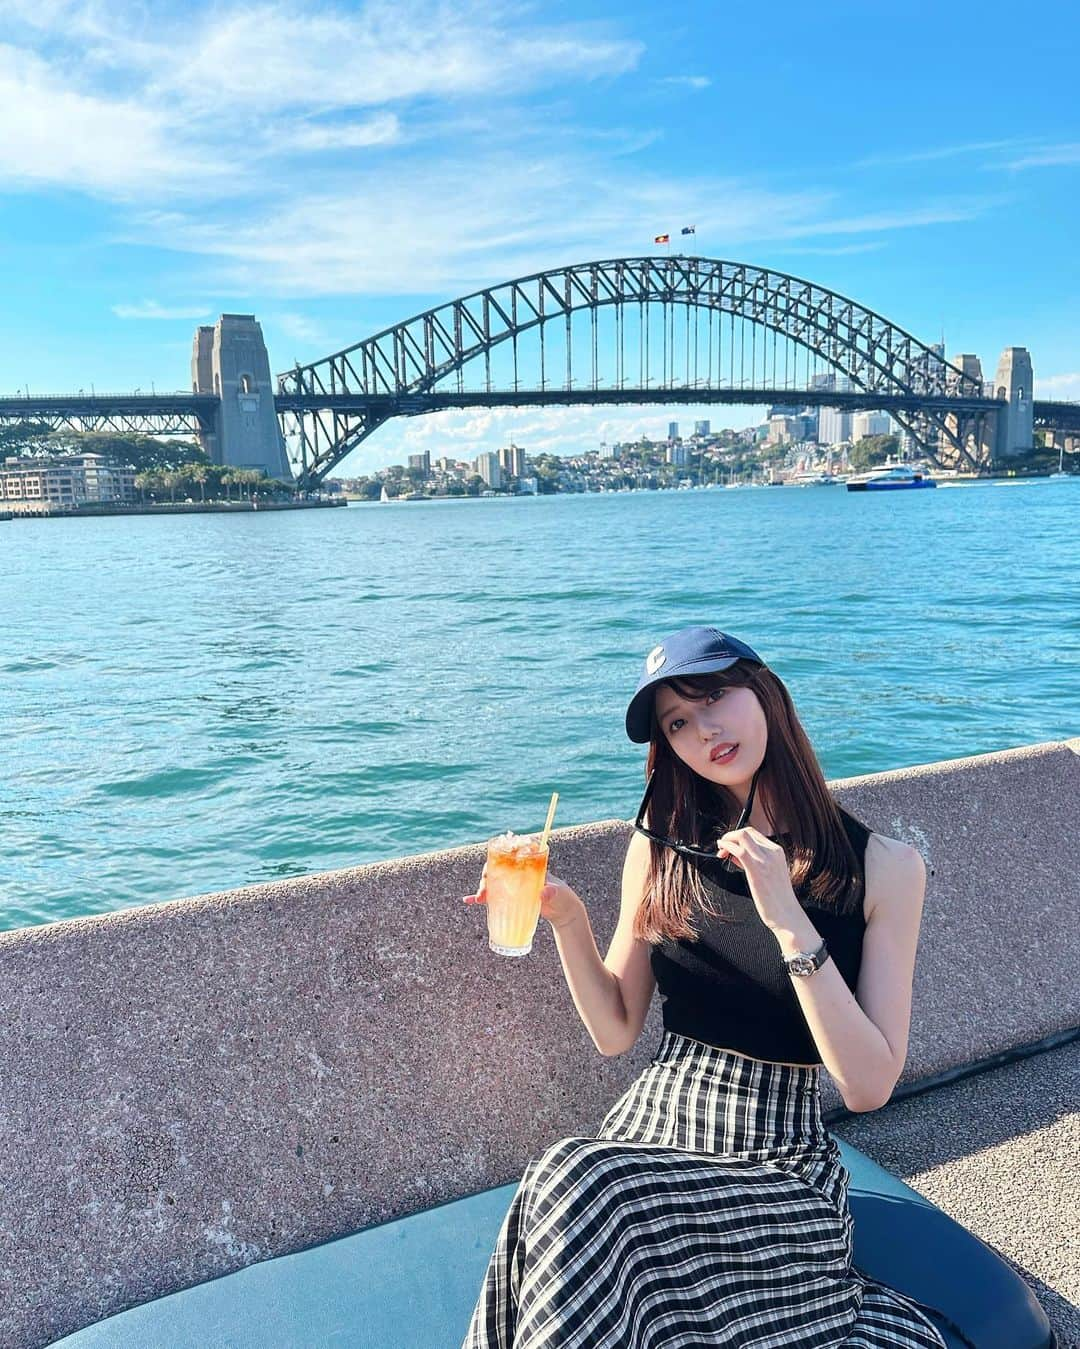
x=229 y=359
x=1014 y=432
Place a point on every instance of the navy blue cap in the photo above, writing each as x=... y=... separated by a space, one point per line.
x=689 y=651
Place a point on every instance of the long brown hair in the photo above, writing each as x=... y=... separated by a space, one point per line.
x=825 y=870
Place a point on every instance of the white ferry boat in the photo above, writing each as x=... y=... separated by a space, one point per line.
x=812 y=478
x=889 y=478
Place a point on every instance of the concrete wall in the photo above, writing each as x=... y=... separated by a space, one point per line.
x=192 y=1086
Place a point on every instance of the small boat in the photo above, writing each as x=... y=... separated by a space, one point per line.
x=812 y=478
x=889 y=478
x=1060 y=471
x=384 y=495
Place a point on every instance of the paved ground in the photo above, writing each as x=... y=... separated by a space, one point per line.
x=999 y=1153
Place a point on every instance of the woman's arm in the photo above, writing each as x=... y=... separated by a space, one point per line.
x=593 y=987
x=862 y=1038
x=612 y=995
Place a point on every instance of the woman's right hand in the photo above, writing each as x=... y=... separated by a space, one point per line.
x=558 y=903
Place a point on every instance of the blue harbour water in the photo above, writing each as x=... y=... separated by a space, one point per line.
x=202 y=702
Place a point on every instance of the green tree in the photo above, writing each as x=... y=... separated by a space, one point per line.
x=871 y=450
x=200 y=474
x=23 y=438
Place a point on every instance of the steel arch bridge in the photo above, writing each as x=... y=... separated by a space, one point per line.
x=634 y=330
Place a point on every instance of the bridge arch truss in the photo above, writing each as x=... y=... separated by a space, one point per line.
x=630 y=330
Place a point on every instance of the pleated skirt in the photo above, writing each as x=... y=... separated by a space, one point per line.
x=709 y=1209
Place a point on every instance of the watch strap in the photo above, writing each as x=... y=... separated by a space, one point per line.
x=797 y=961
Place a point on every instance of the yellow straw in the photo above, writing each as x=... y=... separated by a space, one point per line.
x=550 y=817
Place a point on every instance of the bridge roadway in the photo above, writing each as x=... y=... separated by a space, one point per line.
x=203 y=407
x=187 y=413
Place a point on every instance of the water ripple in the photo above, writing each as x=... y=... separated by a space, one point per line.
x=228 y=705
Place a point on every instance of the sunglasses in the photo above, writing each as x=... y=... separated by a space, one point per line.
x=688 y=849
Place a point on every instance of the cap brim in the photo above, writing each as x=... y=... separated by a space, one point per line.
x=639 y=713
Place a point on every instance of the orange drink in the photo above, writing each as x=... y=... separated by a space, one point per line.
x=516 y=872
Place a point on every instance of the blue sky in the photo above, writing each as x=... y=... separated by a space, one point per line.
x=336 y=168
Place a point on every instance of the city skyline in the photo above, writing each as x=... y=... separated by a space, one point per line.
x=488 y=145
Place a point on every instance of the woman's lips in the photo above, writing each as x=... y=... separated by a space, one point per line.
x=724 y=758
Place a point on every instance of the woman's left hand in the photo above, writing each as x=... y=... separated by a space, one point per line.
x=768 y=875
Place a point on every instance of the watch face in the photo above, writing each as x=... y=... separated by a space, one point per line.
x=802 y=965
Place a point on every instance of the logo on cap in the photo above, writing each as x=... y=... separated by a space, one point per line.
x=655 y=659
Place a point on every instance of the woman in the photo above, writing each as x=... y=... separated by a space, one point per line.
x=711 y=1206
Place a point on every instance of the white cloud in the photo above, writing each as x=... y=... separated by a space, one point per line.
x=1048 y=156
x=1065 y=387
x=276 y=57
x=935 y=152
x=452 y=225
x=383 y=129
x=121 y=102
x=687 y=81
x=300 y=327
x=116 y=147
x=423 y=186
x=150 y=309
x=839 y=251
x=877 y=222
x=1026 y=152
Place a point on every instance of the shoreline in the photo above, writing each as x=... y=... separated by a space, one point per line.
x=167 y=508
x=44 y=511
x=939 y=477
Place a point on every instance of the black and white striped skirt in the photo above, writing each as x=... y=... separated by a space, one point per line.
x=710 y=1209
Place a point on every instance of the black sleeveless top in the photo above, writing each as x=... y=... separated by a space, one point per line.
x=730 y=987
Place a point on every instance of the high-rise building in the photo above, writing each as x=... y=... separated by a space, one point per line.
x=512 y=460
x=422 y=462
x=869 y=424
x=905 y=438
x=487 y=465
x=834 y=426
x=701 y=428
x=673 y=430
x=970 y=365
x=678 y=455
x=783 y=430
x=936 y=361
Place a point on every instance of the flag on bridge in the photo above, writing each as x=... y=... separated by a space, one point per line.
x=662 y=239
x=689 y=229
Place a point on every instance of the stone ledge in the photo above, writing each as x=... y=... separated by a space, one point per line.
x=195 y=1085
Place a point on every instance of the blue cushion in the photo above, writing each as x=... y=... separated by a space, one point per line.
x=967 y=1289
x=412 y=1283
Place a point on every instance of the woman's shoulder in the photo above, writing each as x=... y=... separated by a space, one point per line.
x=888 y=864
x=888 y=847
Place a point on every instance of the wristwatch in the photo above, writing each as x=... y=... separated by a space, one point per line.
x=802 y=963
